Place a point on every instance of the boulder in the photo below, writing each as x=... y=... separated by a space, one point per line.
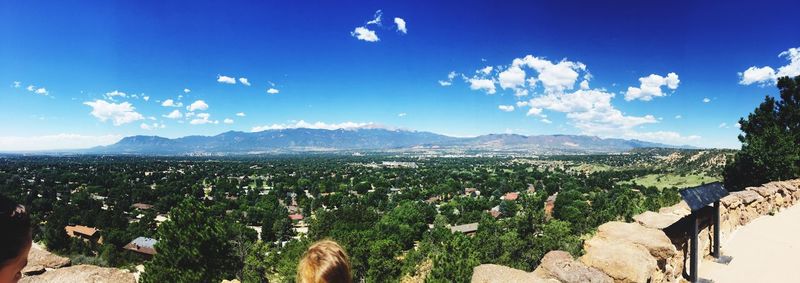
x=731 y=201
x=767 y=190
x=680 y=209
x=654 y=220
x=492 y=273
x=747 y=197
x=655 y=241
x=82 y=274
x=33 y=270
x=39 y=257
x=623 y=261
x=560 y=265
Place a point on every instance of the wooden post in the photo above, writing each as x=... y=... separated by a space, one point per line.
x=694 y=255
x=716 y=230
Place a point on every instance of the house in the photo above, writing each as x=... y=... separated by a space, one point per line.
x=142 y=206
x=142 y=245
x=467 y=229
x=296 y=217
x=84 y=232
x=472 y=192
x=511 y=196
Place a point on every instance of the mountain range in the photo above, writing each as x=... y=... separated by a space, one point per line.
x=300 y=140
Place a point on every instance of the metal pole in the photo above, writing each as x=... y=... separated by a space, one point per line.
x=716 y=229
x=694 y=250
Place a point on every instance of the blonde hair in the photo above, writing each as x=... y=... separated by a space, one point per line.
x=324 y=262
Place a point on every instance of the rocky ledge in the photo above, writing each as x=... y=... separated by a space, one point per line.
x=44 y=266
x=652 y=248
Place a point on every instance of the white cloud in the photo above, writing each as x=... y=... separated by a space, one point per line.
x=506 y=108
x=202 y=118
x=376 y=20
x=240 y=114
x=37 y=90
x=146 y=98
x=513 y=78
x=53 y=142
x=273 y=91
x=16 y=84
x=115 y=93
x=589 y=110
x=148 y=127
x=767 y=75
x=401 y=25
x=118 y=113
x=486 y=70
x=228 y=121
x=319 y=125
x=226 y=79
x=706 y=100
x=186 y=90
x=486 y=85
x=450 y=76
x=198 y=105
x=244 y=81
x=650 y=87
x=554 y=77
x=585 y=84
x=678 y=116
x=757 y=75
x=365 y=34
x=175 y=114
x=402 y=114
x=737 y=125
x=723 y=125
x=171 y=103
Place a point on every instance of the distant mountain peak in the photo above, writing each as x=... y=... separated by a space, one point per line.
x=366 y=138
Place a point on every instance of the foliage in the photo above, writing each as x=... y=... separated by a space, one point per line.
x=770 y=135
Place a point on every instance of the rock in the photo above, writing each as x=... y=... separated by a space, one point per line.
x=767 y=190
x=492 y=273
x=654 y=220
x=731 y=201
x=560 y=265
x=623 y=261
x=40 y=257
x=747 y=197
x=33 y=270
x=82 y=274
x=680 y=209
x=655 y=241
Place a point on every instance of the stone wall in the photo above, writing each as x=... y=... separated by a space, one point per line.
x=654 y=248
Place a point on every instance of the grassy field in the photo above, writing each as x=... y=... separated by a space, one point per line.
x=673 y=180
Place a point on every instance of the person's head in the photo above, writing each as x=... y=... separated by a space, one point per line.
x=324 y=262
x=15 y=240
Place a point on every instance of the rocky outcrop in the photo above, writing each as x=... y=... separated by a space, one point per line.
x=492 y=273
x=560 y=265
x=39 y=260
x=630 y=252
x=82 y=274
x=653 y=248
x=44 y=266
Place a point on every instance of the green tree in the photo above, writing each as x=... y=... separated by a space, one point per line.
x=769 y=138
x=383 y=266
x=192 y=247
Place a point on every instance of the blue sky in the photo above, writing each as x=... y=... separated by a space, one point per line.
x=63 y=61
